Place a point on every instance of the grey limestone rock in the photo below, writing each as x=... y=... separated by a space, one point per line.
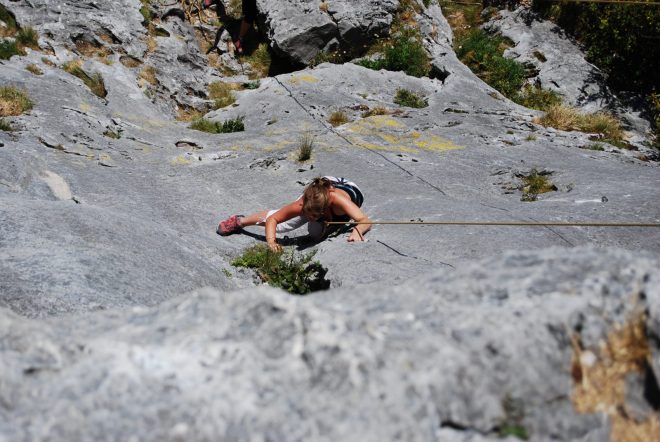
x=300 y=29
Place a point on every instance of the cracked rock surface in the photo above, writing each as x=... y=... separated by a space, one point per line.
x=121 y=316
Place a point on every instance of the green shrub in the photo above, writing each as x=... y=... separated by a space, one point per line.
x=13 y=101
x=482 y=53
x=94 y=82
x=405 y=53
x=8 y=49
x=145 y=10
x=251 y=85
x=28 y=37
x=295 y=274
x=537 y=98
x=407 y=98
x=9 y=20
x=305 y=147
x=213 y=127
x=5 y=126
x=535 y=183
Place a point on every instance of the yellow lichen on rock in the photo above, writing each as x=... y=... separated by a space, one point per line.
x=382 y=132
x=304 y=78
x=180 y=160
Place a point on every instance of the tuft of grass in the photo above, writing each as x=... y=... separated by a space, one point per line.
x=297 y=274
x=593 y=146
x=33 y=68
x=112 y=134
x=260 y=61
x=9 y=20
x=148 y=74
x=378 y=110
x=8 y=49
x=568 y=118
x=28 y=37
x=337 y=118
x=222 y=93
x=305 y=147
x=535 y=183
x=405 y=97
x=252 y=85
x=482 y=53
x=5 y=126
x=531 y=137
x=599 y=377
x=538 y=98
x=214 y=127
x=94 y=82
x=186 y=113
x=405 y=53
x=13 y=101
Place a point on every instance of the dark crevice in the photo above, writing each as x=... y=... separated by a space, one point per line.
x=651 y=389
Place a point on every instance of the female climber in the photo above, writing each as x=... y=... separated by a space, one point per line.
x=324 y=199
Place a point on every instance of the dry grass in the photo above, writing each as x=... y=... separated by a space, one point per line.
x=188 y=114
x=152 y=45
x=94 y=82
x=568 y=118
x=34 y=69
x=305 y=147
x=48 y=62
x=222 y=93
x=148 y=74
x=130 y=62
x=13 y=101
x=378 y=110
x=600 y=380
x=337 y=118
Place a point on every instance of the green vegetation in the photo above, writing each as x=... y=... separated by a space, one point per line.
x=145 y=10
x=28 y=38
x=222 y=93
x=305 y=147
x=260 y=61
x=8 y=49
x=252 y=85
x=482 y=53
x=535 y=183
x=214 y=127
x=5 y=126
x=537 y=98
x=378 y=110
x=94 y=82
x=405 y=53
x=593 y=146
x=295 y=274
x=112 y=134
x=33 y=68
x=337 y=118
x=13 y=101
x=8 y=18
x=517 y=431
x=568 y=118
x=407 y=98
x=531 y=137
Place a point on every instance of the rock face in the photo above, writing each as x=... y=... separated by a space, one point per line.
x=560 y=64
x=121 y=316
x=453 y=356
x=300 y=29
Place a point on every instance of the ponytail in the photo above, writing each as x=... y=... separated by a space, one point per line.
x=316 y=196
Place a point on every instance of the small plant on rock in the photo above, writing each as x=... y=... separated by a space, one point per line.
x=295 y=274
x=8 y=49
x=5 y=126
x=148 y=74
x=34 y=69
x=405 y=53
x=378 y=110
x=407 y=98
x=337 y=118
x=222 y=93
x=13 y=101
x=28 y=37
x=306 y=147
x=535 y=97
x=94 y=82
x=260 y=61
x=214 y=127
x=535 y=183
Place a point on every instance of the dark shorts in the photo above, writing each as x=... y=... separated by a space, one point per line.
x=250 y=10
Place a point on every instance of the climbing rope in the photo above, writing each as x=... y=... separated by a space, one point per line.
x=500 y=223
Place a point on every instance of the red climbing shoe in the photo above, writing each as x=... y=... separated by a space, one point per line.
x=229 y=226
x=207 y=4
x=238 y=44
